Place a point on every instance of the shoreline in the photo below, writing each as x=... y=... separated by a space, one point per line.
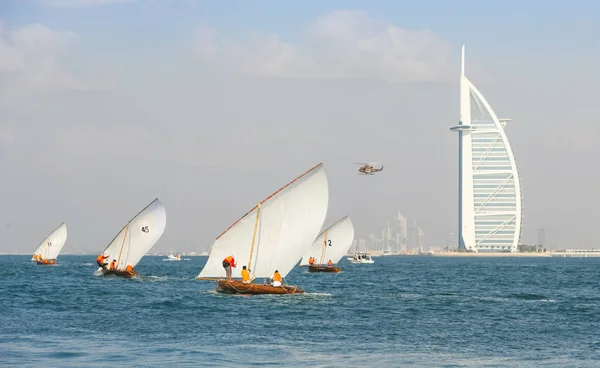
x=468 y=254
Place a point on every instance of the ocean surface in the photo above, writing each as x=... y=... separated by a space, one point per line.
x=398 y=312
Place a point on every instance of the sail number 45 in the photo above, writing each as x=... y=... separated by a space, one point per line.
x=145 y=229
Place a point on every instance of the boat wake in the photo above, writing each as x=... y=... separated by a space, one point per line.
x=410 y=296
x=152 y=278
x=315 y=294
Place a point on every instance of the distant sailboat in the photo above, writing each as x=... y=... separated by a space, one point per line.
x=135 y=240
x=273 y=235
x=48 y=251
x=331 y=245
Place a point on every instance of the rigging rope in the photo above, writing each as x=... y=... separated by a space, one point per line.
x=254 y=235
x=324 y=247
x=122 y=244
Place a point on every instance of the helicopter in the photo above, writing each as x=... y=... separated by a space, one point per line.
x=368 y=168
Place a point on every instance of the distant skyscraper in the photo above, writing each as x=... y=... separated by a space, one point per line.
x=362 y=245
x=414 y=236
x=420 y=239
x=542 y=237
x=388 y=238
x=372 y=241
x=401 y=231
x=489 y=192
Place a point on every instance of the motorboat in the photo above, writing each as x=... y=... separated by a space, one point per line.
x=361 y=257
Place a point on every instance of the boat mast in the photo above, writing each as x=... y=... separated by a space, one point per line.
x=324 y=247
x=254 y=235
x=123 y=243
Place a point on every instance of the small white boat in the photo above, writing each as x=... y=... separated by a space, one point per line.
x=361 y=257
x=171 y=257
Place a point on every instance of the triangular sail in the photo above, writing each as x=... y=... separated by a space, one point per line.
x=138 y=236
x=53 y=244
x=332 y=244
x=288 y=222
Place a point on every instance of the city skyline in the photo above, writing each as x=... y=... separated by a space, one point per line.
x=395 y=236
x=210 y=106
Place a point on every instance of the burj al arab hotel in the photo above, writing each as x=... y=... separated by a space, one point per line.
x=489 y=192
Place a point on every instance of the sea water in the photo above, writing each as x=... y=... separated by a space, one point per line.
x=398 y=312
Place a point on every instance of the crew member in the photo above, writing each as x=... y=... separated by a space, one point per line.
x=113 y=264
x=227 y=264
x=129 y=267
x=245 y=275
x=311 y=261
x=276 y=279
x=330 y=264
x=100 y=260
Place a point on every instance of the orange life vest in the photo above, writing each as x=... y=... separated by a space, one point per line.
x=245 y=275
x=329 y=263
x=277 y=276
x=129 y=268
x=112 y=265
x=230 y=260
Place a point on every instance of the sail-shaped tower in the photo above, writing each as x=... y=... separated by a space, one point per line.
x=489 y=192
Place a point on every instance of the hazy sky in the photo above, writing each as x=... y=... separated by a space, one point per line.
x=213 y=105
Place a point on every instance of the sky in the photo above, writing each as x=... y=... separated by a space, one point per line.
x=213 y=105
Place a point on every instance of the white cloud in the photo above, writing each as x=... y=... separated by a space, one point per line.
x=345 y=44
x=82 y=3
x=36 y=58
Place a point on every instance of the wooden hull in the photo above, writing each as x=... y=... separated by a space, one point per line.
x=323 y=269
x=45 y=262
x=122 y=273
x=238 y=287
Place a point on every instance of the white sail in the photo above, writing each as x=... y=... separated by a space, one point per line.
x=53 y=244
x=286 y=224
x=138 y=236
x=337 y=240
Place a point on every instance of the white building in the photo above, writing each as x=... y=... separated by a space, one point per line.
x=489 y=208
x=401 y=233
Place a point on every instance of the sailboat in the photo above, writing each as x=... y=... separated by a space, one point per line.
x=274 y=235
x=136 y=238
x=331 y=245
x=48 y=251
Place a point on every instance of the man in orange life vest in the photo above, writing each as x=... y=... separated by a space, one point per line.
x=227 y=264
x=100 y=260
x=276 y=279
